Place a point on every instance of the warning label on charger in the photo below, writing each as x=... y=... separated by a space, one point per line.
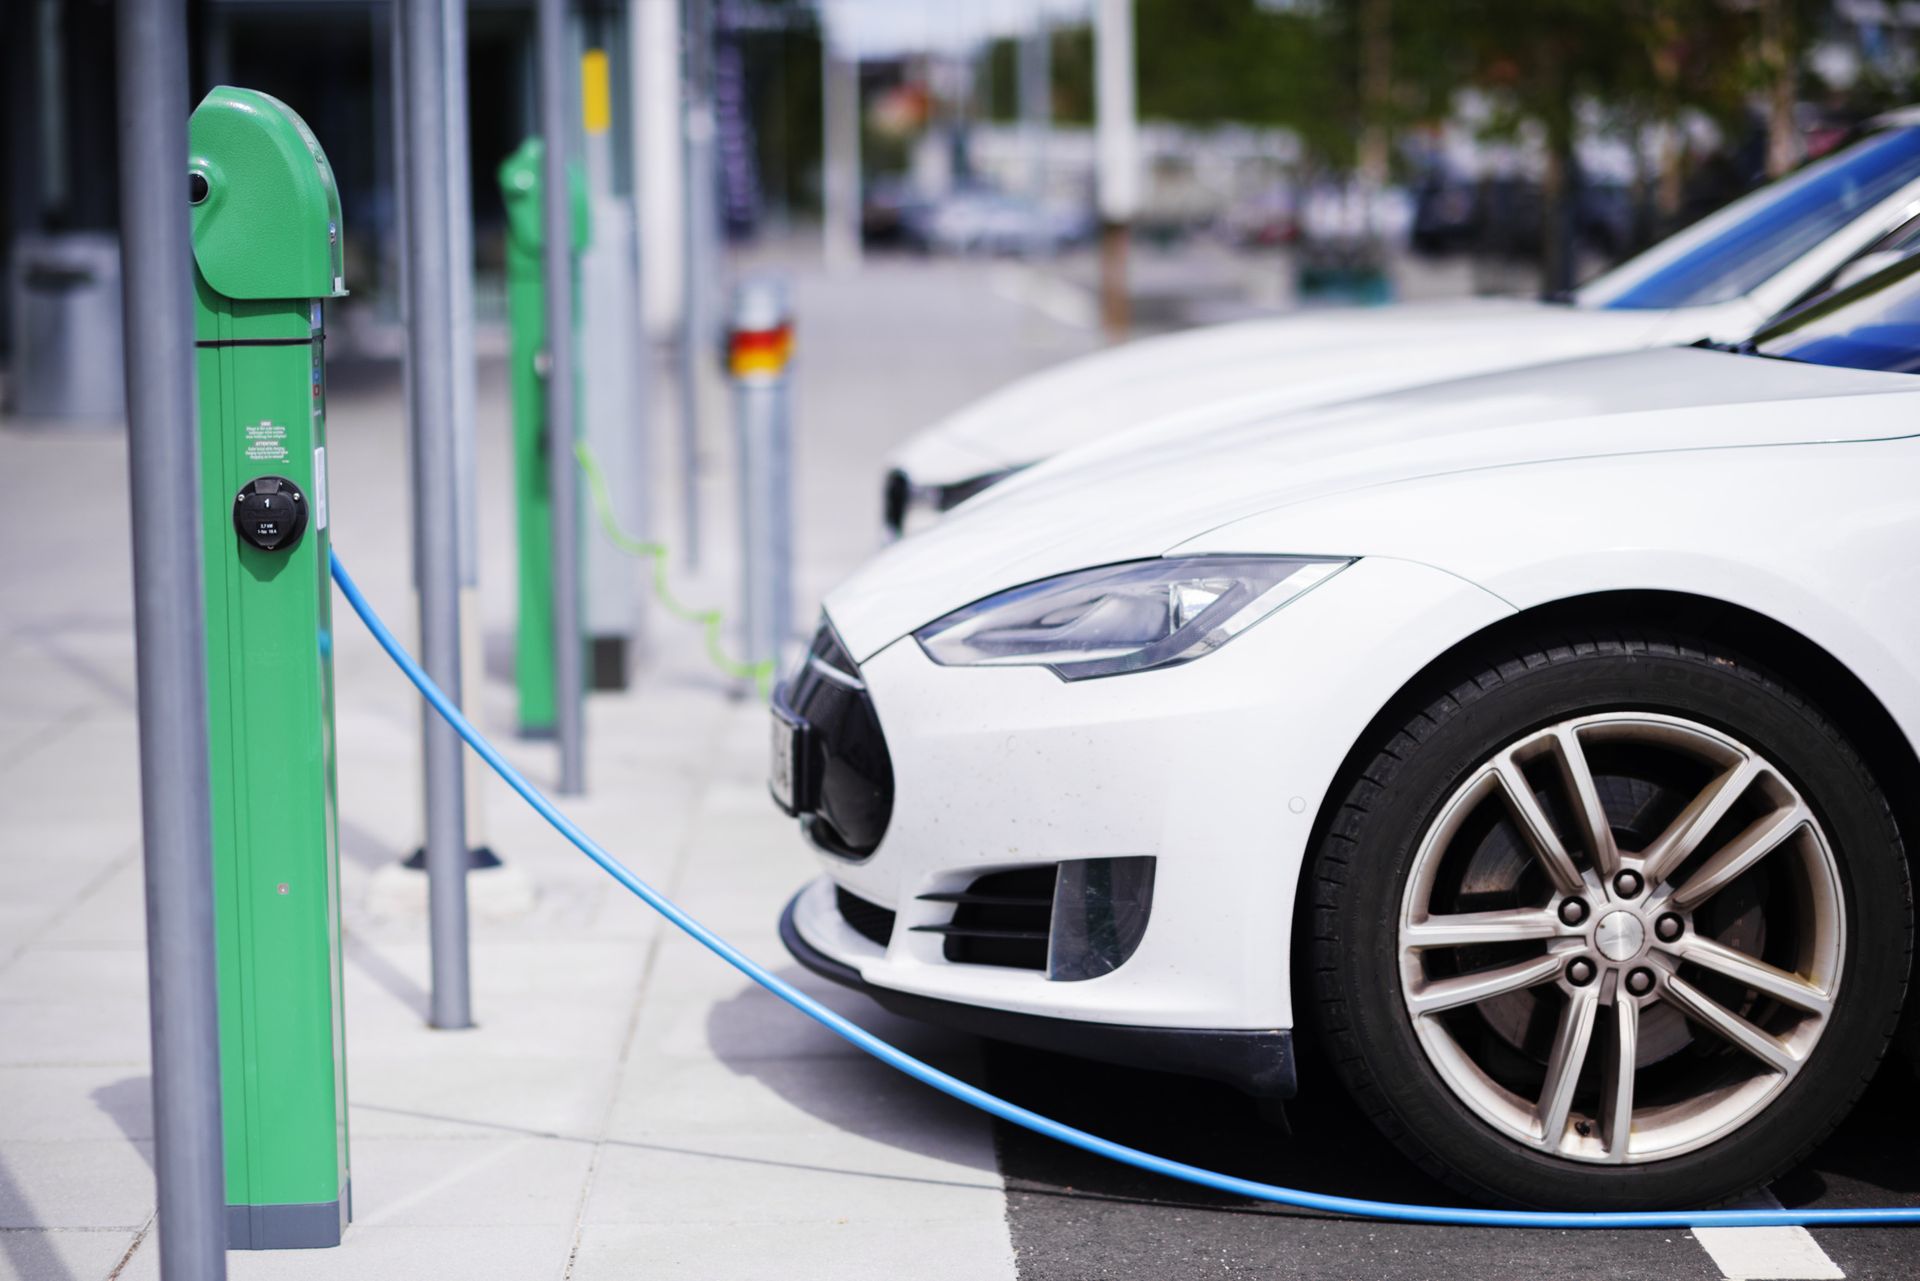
x=266 y=442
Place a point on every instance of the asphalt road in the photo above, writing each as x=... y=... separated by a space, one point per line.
x=1075 y=1216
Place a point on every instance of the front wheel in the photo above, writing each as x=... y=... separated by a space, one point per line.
x=1611 y=924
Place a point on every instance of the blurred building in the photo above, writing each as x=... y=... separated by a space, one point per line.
x=333 y=61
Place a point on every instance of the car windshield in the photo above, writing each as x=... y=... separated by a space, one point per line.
x=1872 y=325
x=1753 y=239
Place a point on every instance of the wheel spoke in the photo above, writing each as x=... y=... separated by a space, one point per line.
x=1470 y=929
x=1672 y=847
x=1595 y=825
x=1469 y=989
x=1570 y=1043
x=1617 y=1097
x=1788 y=989
x=1761 y=838
x=1539 y=833
x=1730 y=1027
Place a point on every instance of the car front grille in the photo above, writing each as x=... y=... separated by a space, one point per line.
x=849 y=752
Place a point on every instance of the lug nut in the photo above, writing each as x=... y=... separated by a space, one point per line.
x=1573 y=911
x=1580 y=972
x=1628 y=884
x=1640 y=982
x=1669 y=927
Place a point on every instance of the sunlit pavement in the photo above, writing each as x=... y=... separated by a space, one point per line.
x=626 y=1106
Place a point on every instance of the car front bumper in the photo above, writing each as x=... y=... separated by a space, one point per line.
x=1214 y=772
x=1257 y=1062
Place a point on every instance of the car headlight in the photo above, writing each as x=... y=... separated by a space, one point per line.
x=1122 y=618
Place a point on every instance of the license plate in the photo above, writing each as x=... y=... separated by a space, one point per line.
x=783 y=767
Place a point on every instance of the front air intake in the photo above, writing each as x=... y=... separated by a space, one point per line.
x=1072 y=921
x=869 y=920
x=1003 y=918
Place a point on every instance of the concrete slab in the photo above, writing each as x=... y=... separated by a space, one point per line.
x=76 y=1183
x=65 y=1101
x=476 y=1180
x=784 y=1178
x=534 y=1252
x=618 y=1076
x=61 y=1254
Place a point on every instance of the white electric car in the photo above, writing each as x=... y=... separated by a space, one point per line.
x=1719 y=279
x=1540 y=744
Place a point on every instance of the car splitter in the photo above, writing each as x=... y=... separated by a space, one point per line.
x=993 y=1105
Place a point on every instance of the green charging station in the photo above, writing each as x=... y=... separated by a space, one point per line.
x=266 y=249
x=533 y=652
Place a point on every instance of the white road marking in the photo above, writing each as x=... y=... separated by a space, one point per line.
x=1767 y=1254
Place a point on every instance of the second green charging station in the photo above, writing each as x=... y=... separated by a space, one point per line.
x=521 y=186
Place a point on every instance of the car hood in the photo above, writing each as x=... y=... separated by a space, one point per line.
x=1301 y=359
x=1158 y=486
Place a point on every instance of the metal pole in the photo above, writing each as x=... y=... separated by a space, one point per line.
x=169 y=611
x=556 y=127
x=840 y=155
x=760 y=346
x=436 y=509
x=1036 y=111
x=659 y=162
x=459 y=236
x=1117 y=146
x=697 y=329
x=465 y=392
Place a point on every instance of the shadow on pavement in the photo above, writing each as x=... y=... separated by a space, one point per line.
x=1870 y=1159
x=128 y=1103
x=25 y=1253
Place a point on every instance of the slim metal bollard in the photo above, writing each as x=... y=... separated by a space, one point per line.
x=436 y=522
x=170 y=641
x=699 y=258
x=759 y=354
x=557 y=94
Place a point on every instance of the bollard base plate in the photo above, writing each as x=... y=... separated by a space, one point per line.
x=314 y=1226
x=479 y=858
x=607 y=666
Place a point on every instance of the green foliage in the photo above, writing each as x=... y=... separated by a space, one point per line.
x=1298 y=65
x=1072 y=54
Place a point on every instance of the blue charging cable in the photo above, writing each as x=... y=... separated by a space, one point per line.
x=973 y=1096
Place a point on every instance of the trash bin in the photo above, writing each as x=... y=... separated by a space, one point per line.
x=65 y=293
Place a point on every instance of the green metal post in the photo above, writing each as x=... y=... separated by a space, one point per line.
x=266 y=247
x=533 y=652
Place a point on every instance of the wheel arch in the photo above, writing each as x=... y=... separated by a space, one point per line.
x=1842 y=695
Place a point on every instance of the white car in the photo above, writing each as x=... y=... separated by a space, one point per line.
x=1541 y=744
x=1719 y=279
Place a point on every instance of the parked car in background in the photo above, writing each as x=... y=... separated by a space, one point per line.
x=985 y=221
x=1718 y=279
x=1506 y=215
x=1542 y=743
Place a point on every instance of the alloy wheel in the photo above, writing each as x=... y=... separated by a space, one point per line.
x=1622 y=937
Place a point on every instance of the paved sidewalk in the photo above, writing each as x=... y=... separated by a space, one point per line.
x=627 y=1106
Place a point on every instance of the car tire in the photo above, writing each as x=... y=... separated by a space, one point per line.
x=1419 y=827
x=1908 y=1039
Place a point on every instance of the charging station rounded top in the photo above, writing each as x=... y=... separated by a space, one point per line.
x=266 y=211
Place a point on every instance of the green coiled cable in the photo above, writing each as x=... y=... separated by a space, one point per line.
x=710 y=620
